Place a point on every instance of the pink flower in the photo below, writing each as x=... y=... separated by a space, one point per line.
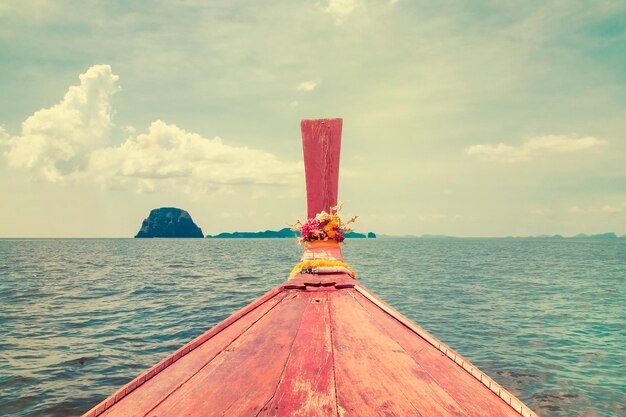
x=311 y=229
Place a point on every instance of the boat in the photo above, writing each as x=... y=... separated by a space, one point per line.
x=319 y=344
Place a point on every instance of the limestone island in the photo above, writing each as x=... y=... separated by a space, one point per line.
x=169 y=222
x=277 y=234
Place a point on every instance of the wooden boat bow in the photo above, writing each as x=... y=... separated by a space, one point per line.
x=316 y=345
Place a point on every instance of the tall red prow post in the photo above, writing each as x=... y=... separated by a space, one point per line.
x=321 y=144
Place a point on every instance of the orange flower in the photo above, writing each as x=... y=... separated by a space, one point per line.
x=333 y=224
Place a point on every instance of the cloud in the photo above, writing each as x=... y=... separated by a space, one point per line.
x=534 y=147
x=605 y=209
x=307 y=85
x=610 y=209
x=29 y=9
x=167 y=155
x=72 y=140
x=56 y=142
x=339 y=9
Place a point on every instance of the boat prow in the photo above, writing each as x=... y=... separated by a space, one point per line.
x=320 y=344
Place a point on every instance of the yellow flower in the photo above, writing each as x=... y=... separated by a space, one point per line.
x=317 y=263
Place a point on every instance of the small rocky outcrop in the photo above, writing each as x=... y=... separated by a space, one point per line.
x=354 y=235
x=268 y=234
x=169 y=222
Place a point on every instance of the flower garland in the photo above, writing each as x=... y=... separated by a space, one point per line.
x=311 y=267
x=324 y=226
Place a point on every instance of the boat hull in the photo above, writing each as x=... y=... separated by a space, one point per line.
x=317 y=345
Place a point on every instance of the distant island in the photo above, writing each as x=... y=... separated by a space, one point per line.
x=268 y=234
x=280 y=234
x=169 y=222
x=608 y=235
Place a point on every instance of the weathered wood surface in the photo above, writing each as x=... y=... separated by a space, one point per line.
x=374 y=374
x=307 y=387
x=321 y=143
x=163 y=384
x=453 y=356
x=452 y=378
x=154 y=392
x=318 y=349
x=313 y=281
x=242 y=379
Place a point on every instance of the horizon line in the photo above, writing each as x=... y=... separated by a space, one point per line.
x=378 y=236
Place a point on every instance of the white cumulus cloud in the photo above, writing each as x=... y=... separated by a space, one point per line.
x=533 y=147
x=4 y=136
x=72 y=139
x=168 y=155
x=56 y=142
x=339 y=9
x=308 y=85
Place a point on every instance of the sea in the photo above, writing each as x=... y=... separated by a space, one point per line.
x=79 y=318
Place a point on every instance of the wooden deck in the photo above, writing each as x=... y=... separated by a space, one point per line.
x=318 y=345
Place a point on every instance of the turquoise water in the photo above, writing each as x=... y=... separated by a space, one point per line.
x=79 y=318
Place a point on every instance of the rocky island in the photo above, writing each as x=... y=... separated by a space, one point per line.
x=169 y=222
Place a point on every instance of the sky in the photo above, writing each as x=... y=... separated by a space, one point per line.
x=460 y=118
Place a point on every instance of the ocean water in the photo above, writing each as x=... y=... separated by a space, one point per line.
x=81 y=317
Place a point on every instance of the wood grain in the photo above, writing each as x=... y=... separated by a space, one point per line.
x=476 y=399
x=374 y=375
x=139 y=401
x=307 y=388
x=242 y=379
x=321 y=143
x=167 y=362
x=452 y=355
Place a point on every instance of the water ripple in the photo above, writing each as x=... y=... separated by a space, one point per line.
x=82 y=317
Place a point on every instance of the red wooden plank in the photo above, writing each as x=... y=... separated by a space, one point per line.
x=294 y=286
x=321 y=143
x=147 y=375
x=153 y=391
x=374 y=375
x=471 y=394
x=300 y=281
x=329 y=279
x=307 y=388
x=476 y=373
x=345 y=281
x=242 y=379
x=313 y=281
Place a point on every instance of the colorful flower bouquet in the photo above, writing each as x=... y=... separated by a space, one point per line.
x=324 y=226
